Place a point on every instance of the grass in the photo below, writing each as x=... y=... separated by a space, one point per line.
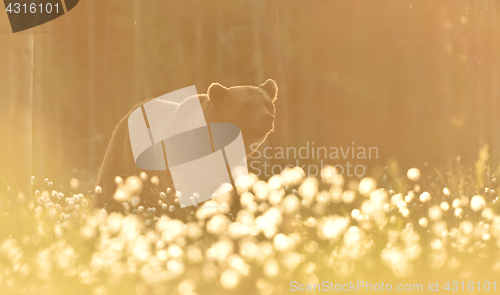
x=399 y=227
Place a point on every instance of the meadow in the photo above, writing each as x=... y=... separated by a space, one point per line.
x=397 y=226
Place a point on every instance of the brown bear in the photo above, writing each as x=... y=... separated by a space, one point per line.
x=250 y=108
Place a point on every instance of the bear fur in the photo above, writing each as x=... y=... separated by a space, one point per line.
x=250 y=108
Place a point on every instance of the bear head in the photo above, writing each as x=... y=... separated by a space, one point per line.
x=249 y=107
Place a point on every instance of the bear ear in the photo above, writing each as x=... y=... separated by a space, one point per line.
x=217 y=92
x=271 y=88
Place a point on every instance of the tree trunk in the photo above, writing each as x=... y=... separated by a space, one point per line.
x=91 y=78
x=20 y=95
x=275 y=71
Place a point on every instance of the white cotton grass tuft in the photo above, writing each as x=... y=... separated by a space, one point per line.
x=477 y=203
x=396 y=198
x=329 y=174
x=121 y=196
x=119 y=180
x=75 y=184
x=133 y=184
x=229 y=279
x=435 y=213
x=275 y=182
x=366 y=186
x=275 y=197
x=282 y=242
x=444 y=206
x=309 y=188
x=409 y=197
x=495 y=227
x=425 y=197
x=446 y=191
x=356 y=213
x=155 y=180
x=292 y=176
x=186 y=287
x=413 y=174
x=423 y=222
x=290 y=204
x=348 y=196
x=405 y=212
x=379 y=196
x=323 y=197
x=401 y=205
x=332 y=227
x=336 y=194
x=271 y=268
x=488 y=214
